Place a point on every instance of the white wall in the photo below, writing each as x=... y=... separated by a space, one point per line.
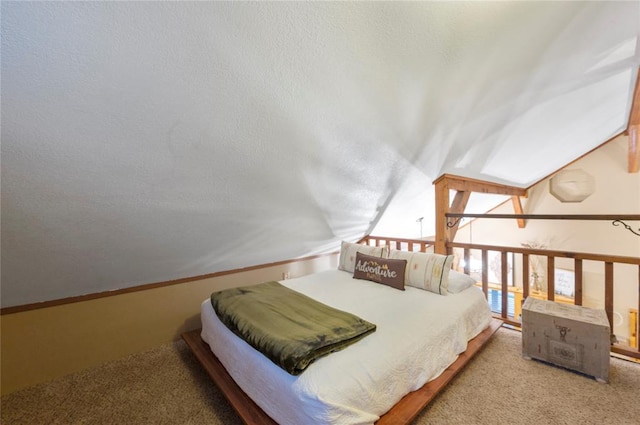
x=616 y=192
x=148 y=141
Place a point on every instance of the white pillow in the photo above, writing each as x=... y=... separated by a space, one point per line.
x=348 y=252
x=458 y=282
x=425 y=270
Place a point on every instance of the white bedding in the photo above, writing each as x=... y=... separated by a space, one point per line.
x=419 y=334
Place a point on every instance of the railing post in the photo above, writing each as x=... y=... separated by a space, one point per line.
x=504 y=272
x=485 y=274
x=525 y=276
x=577 y=297
x=608 y=292
x=467 y=260
x=551 y=278
x=442 y=207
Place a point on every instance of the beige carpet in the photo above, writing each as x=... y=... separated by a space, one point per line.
x=167 y=386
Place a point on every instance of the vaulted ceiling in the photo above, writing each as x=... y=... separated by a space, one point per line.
x=149 y=141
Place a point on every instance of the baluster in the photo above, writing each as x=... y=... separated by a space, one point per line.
x=505 y=288
x=485 y=274
x=525 y=276
x=467 y=260
x=578 y=282
x=551 y=278
x=608 y=292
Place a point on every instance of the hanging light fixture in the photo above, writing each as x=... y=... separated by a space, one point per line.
x=572 y=185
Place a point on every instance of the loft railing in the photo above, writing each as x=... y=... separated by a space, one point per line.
x=418 y=245
x=524 y=257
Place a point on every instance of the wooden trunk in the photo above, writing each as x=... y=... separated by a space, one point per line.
x=570 y=336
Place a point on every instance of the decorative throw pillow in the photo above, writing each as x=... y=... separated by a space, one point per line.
x=458 y=282
x=425 y=271
x=380 y=270
x=348 y=252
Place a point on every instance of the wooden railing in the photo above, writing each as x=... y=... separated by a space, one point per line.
x=418 y=245
x=525 y=256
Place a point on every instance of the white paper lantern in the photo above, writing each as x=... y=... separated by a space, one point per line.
x=572 y=185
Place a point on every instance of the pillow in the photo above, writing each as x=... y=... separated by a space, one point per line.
x=458 y=282
x=380 y=270
x=348 y=252
x=425 y=270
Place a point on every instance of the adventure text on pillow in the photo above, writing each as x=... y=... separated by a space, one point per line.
x=380 y=270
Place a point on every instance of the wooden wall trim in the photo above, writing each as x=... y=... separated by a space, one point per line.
x=148 y=286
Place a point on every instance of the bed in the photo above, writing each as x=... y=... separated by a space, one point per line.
x=421 y=341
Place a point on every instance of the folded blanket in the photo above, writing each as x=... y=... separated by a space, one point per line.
x=289 y=328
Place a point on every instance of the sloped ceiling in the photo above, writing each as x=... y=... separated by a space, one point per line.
x=149 y=141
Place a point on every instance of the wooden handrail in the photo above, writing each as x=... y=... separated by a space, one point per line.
x=396 y=243
x=606 y=217
x=616 y=219
x=550 y=253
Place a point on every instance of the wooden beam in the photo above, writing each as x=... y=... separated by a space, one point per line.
x=517 y=208
x=457 y=206
x=460 y=202
x=634 y=149
x=442 y=208
x=465 y=184
x=633 y=128
x=447 y=182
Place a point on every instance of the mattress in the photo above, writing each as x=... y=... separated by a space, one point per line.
x=419 y=334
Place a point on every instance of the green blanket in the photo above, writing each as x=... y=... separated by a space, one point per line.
x=288 y=327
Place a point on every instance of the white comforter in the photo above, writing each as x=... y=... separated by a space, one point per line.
x=419 y=334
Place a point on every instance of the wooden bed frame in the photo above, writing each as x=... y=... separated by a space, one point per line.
x=402 y=413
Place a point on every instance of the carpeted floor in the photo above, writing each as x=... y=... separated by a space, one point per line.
x=167 y=386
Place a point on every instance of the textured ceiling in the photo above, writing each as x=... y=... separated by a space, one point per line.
x=148 y=141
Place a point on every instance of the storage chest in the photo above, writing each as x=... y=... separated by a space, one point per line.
x=574 y=337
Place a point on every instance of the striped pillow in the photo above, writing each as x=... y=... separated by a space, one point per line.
x=425 y=271
x=348 y=252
